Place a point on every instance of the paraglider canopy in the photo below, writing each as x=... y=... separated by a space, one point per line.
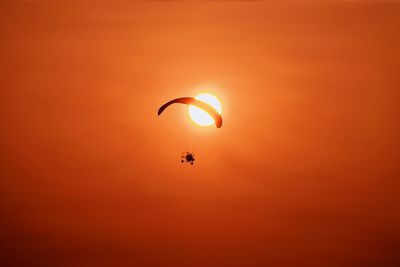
x=198 y=103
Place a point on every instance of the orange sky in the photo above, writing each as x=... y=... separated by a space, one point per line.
x=304 y=172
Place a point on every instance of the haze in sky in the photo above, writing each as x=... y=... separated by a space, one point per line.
x=304 y=171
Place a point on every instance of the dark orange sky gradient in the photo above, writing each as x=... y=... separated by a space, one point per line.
x=304 y=171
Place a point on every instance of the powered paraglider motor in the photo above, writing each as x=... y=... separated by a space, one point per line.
x=187 y=157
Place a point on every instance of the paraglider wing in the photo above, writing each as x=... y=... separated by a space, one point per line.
x=195 y=102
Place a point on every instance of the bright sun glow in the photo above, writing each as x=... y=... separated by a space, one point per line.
x=201 y=117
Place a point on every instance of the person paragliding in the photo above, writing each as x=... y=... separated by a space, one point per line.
x=188 y=157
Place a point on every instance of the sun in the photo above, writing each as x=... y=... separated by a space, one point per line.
x=201 y=117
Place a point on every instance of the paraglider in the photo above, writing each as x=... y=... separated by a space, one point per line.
x=195 y=102
x=188 y=157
